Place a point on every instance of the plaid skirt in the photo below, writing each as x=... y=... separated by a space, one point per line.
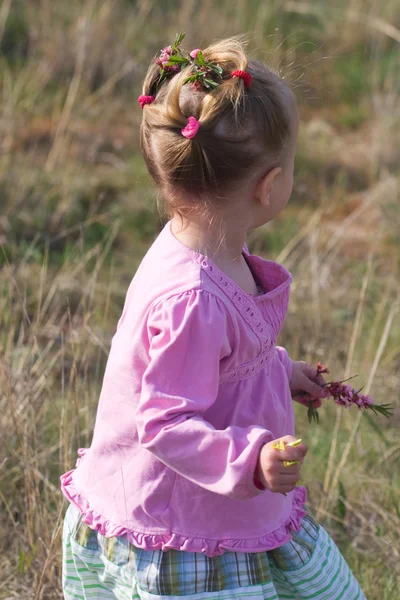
x=308 y=567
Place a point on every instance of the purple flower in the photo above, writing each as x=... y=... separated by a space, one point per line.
x=368 y=400
x=321 y=368
x=198 y=86
x=344 y=395
x=172 y=68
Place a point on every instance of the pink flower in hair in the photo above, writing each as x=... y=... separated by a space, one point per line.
x=198 y=86
x=195 y=52
x=164 y=56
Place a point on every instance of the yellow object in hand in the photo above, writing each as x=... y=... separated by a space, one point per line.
x=281 y=446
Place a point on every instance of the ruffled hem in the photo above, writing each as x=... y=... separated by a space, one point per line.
x=176 y=541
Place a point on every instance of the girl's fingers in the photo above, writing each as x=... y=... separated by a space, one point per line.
x=292 y=453
x=287 y=439
x=292 y=470
x=305 y=400
x=312 y=388
x=317 y=381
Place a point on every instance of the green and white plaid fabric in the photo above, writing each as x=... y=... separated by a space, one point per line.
x=308 y=567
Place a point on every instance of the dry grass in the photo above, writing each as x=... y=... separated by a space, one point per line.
x=78 y=214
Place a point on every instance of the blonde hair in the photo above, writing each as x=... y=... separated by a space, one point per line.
x=241 y=130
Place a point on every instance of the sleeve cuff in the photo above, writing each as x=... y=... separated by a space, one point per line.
x=258 y=483
x=255 y=487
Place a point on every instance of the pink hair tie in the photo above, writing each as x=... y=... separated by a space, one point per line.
x=245 y=75
x=143 y=100
x=191 y=128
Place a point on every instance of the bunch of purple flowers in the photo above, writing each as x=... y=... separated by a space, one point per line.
x=344 y=395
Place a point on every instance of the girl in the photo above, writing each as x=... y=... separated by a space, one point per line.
x=189 y=487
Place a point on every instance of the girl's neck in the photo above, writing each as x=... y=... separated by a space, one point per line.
x=222 y=244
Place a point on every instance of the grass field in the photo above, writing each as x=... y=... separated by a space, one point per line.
x=78 y=212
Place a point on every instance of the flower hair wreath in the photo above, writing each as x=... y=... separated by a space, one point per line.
x=172 y=60
x=205 y=74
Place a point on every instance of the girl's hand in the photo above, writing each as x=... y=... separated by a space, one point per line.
x=306 y=385
x=271 y=471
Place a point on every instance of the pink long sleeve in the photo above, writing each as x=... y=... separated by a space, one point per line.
x=188 y=340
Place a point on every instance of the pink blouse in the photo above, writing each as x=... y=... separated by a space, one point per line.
x=194 y=386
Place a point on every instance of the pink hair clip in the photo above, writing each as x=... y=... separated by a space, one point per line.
x=191 y=128
x=245 y=75
x=143 y=100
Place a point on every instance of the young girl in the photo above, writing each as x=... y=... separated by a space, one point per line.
x=184 y=492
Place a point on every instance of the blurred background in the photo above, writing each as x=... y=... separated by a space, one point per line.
x=78 y=212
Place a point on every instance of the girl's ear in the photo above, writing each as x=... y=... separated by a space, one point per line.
x=264 y=186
